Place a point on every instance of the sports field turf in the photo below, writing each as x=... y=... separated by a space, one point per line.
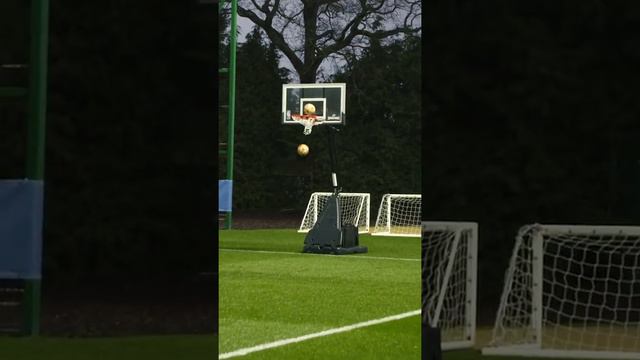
x=187 y=347
x=270 y=291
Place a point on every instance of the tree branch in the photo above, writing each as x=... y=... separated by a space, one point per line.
x=271 y=14
x=309 y=31
x=275 y=36
x=380 y=34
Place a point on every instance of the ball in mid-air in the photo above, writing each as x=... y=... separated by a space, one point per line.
x=309 y=109
x=303 y=150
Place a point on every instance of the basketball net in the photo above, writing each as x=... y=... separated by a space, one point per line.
x=308 y=121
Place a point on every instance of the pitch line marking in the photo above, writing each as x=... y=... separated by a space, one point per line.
x=336 y=256
x=283 y=342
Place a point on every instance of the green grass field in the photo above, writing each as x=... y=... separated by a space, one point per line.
x=187 y=347
x=270 y=291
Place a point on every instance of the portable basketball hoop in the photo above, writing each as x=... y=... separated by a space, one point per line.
x=308 y=121
x=323 y=104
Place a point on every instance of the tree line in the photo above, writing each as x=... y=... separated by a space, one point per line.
x=530 y=117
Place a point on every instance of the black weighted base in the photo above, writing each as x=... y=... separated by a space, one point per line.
x=329 y=236
x=316 y=249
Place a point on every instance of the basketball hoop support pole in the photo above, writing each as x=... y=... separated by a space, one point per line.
x=332 y=156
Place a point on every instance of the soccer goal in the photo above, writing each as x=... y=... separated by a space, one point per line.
x=571 y=292
x=399 y=215
x=354 y=209
x=449 y=264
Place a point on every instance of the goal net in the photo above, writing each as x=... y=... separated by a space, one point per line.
x=354 y=209
x=399 y=215
x=571 y=292
x=449 y=263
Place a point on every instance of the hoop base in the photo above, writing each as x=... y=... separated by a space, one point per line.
x=316 y=249
x=330 y=236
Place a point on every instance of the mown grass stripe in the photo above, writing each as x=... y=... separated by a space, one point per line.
x=283 y=342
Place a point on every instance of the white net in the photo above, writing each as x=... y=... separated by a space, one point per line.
x=572 y=291
x=308 y=121
x=399 y=215
x=354 y=209
x=449 y=252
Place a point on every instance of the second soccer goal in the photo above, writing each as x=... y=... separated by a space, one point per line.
x=571 y=291
x=399 y=215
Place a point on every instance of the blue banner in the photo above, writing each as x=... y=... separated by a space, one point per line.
x=21 y=215
x=225 y=191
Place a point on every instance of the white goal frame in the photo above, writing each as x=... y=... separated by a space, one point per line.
x=526 y=329
x=384 y=221
x=360 y=219
x=449 y=298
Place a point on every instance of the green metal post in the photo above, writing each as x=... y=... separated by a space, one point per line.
x=232 y=97
x=32 y=294
x=36 y=135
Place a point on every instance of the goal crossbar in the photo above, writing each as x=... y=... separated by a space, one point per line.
x=399 y=215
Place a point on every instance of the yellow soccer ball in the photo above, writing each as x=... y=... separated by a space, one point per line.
x=309 y=109
x=303 y=150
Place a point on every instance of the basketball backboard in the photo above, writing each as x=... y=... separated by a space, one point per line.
x=328 y=99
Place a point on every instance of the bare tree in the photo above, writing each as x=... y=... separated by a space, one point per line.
x=309 y=32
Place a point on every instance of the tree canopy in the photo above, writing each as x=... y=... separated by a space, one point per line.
x=310 y=32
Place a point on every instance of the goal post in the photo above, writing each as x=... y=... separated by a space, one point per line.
x=399 y=215
x=449 y=281
x=354 y=209
x=571 y=291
